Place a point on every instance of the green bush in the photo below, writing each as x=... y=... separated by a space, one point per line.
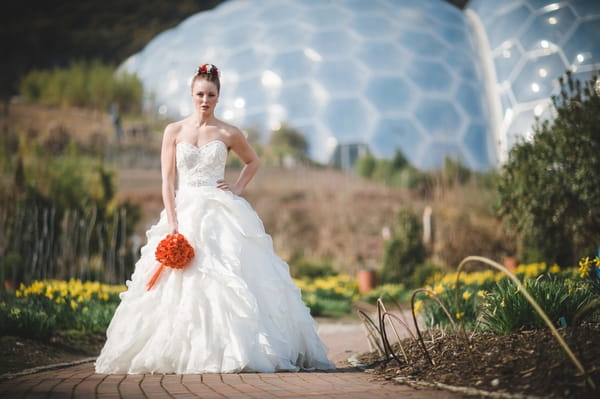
x=548 y=190
x=83 y=84
x=27 y=322
x=387 y=292
x=404 y=251
x=310 y=269
x=507 y=310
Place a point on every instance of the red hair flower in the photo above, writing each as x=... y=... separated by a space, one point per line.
x=173 y=251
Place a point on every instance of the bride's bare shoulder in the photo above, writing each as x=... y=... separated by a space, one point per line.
x=172 y=129
x=230 y=131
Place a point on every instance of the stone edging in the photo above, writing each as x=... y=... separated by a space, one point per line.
x=468 y=391
x=10 y=376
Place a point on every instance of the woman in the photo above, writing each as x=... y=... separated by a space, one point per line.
x=234 y=307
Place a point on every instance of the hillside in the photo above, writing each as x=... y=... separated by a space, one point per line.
x=320 y=213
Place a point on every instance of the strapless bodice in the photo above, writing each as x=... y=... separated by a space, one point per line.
x=200 y=166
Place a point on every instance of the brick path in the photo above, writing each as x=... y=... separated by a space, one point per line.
x=346 y=382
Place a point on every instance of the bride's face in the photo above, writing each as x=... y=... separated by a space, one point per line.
x=205 y=96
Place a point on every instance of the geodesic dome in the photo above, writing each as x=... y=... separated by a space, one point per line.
x=421 y=77
x=531 y=43
x=394 y=75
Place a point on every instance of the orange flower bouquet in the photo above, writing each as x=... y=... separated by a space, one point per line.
x=173 y=251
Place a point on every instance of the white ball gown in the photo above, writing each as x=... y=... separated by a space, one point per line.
x=233 y=308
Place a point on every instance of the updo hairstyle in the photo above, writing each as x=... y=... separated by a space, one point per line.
x=207 y=72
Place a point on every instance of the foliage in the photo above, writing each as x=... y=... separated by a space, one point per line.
x=405 y=250
x=60 y=213
x=40 y=309
x=328 y=296
x=83 y=84
x=548 y=190
x=506 y=310
x=491 y=301
x=387 y=292
x=302 y=267
x=287 y=141
x=423 y=273
x=55 y=33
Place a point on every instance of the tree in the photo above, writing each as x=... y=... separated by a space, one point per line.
x=548 y=189
x=288 y=141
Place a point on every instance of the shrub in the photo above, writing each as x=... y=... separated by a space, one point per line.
x=84 y=84
x=548 y=191
x=404 y=251
x=507 y=310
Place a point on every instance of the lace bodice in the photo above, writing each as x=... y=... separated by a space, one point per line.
x=201 y=166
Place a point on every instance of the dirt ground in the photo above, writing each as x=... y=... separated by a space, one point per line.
x=18 y=354
x=525 y=362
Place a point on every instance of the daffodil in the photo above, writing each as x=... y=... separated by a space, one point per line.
x=584 y=267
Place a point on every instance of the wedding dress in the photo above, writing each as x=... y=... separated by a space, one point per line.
x=233 y=308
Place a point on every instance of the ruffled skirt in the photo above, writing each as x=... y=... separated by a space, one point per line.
x=233 y=308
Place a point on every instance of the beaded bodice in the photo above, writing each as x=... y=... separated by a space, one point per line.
x=201 y=166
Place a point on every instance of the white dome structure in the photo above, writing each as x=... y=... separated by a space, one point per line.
x=387 y=75
x=530 y=44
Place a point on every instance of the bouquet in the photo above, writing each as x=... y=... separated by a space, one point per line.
x=173 y=251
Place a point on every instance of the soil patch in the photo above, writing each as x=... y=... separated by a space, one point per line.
x=525 y=362
x=17 y=354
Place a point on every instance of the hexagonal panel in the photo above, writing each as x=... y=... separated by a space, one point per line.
x=583 y=46
x=389 y=95
x=349 y=119
x=383 y=56
x=371 y=26
x=469 y=98
x=438 y=117
x=423 y=42
x=476 y=142
x=299 y=100
x=325 y=16
x=391 y=135
x=513 y=21
x=548 y=27
x=284 y=37
x=292 y=65
x=537 y=78
x=507 y=60
x=333 y=42
x=341 y=76
x=430 y=76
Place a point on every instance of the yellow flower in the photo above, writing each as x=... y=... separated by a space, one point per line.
x=438 y=289
x=502 y=304
x=85 y=309
x=418 y=306
x=73 y=304
x=584 y=267
x=460 y=315
x=554 y=269
x=466 y=295
x=481 y=294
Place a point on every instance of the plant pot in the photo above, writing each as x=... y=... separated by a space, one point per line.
x=511 y=263
x=366 y=280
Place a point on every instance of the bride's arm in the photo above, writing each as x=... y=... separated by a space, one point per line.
x=244 y=150
x=168 y=173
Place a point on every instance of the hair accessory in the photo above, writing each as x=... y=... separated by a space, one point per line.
x=208 y=69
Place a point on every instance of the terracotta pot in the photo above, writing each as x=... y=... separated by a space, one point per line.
x=511 y=263
x=366 y=280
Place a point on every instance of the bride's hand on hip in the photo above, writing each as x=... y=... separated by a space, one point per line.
x=223 y=185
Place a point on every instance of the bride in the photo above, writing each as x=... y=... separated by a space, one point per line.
x=234 y=307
